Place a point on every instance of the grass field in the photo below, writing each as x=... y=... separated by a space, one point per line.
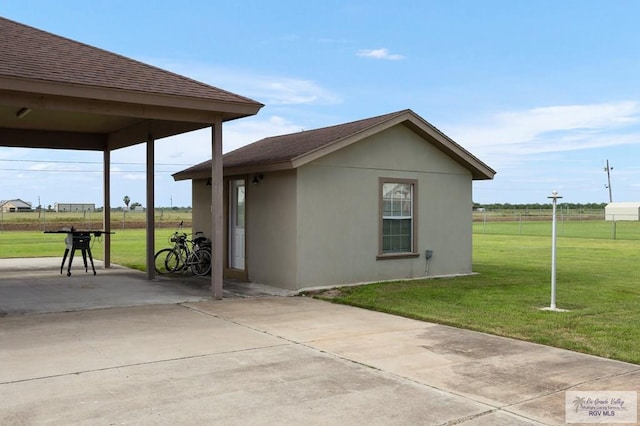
x=598 y=281
x=128 y=246
x=620 y=230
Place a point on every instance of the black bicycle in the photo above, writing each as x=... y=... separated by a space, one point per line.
x=186 y=254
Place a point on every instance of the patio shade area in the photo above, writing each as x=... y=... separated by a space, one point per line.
x=62 y=94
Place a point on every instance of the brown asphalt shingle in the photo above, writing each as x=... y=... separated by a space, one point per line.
x=288 y=147
x=277 y=149
x=33 y=54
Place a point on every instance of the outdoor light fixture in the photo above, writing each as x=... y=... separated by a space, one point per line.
x=257 y=179
x=22 y=112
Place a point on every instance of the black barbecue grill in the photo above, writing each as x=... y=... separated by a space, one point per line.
x=77 y=240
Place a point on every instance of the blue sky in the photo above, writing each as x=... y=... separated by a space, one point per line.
x=542 y=91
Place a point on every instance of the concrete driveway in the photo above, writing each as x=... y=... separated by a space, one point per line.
x=281 y=360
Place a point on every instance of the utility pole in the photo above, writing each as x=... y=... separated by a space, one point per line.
x=608 y=170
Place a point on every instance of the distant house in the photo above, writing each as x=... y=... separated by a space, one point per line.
x=622 y=211
x=74 y=207
x=383 y=198
x=17 y=205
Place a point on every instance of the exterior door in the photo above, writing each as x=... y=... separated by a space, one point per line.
x=236 y=224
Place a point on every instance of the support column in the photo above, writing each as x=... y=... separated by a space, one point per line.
x=151 y=225
x=106 y=210
x=217 y=202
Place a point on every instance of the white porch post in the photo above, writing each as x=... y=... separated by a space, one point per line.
x=217 y=219
x=106 y=210
x=151 y=226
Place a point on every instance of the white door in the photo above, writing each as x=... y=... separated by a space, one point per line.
x=236 y=224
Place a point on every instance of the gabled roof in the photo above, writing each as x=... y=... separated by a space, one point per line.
x=33 y=54
x=60 y=93
x=18 y=203
x=295 y=149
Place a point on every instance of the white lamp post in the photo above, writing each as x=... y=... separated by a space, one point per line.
x=554 y=196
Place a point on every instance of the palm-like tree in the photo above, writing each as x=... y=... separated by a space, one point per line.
x=126 y=200
x=578 y=402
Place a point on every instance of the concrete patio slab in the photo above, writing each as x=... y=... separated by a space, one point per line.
x=35 y=285
x=512 y=376
x=174 y=365
x=281 y=360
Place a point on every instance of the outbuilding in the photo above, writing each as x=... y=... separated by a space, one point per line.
x=74 y=207
x=622 y=211
x=17 y=205
x=383 y=198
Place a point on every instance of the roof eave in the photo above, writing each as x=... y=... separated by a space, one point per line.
x=205 y=172
x=230 y=110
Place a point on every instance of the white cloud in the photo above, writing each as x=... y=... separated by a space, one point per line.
x=243 y=132
x=552 y=129
x=179 y=152
x=381 y=53
x=290 y=91
x=267 y=89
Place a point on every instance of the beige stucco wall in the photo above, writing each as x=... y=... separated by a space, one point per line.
x=201 y=207
x=271 y=230
x=338 y=208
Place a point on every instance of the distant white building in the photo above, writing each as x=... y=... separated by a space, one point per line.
x=74 y=207
x=17 y=205
x=622 y=211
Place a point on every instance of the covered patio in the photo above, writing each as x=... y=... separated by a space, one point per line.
x=58 y=93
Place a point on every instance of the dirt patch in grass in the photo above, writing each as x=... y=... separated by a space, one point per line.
x=331 y=293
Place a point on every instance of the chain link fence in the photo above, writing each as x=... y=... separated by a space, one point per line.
x=574 y=223
x=120 y=219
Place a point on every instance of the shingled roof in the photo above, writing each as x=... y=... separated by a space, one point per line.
x=33 y=54
x=295 y=149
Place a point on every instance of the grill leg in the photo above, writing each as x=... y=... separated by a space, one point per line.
x=70 y=262
x=64 y=258
x=84 y=259
x=91 y=259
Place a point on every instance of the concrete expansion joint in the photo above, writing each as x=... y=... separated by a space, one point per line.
x=136 y=364
x=474 y=417
x=576 y=385
x=467 y=418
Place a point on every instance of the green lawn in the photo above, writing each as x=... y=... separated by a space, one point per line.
x=128 y=246
x=597 y=280
x=620 y=230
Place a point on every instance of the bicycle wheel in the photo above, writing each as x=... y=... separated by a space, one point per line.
x=161 y=261
x=201 y=262
x=174 y=260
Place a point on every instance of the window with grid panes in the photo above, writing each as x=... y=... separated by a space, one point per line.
x=398 y=200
